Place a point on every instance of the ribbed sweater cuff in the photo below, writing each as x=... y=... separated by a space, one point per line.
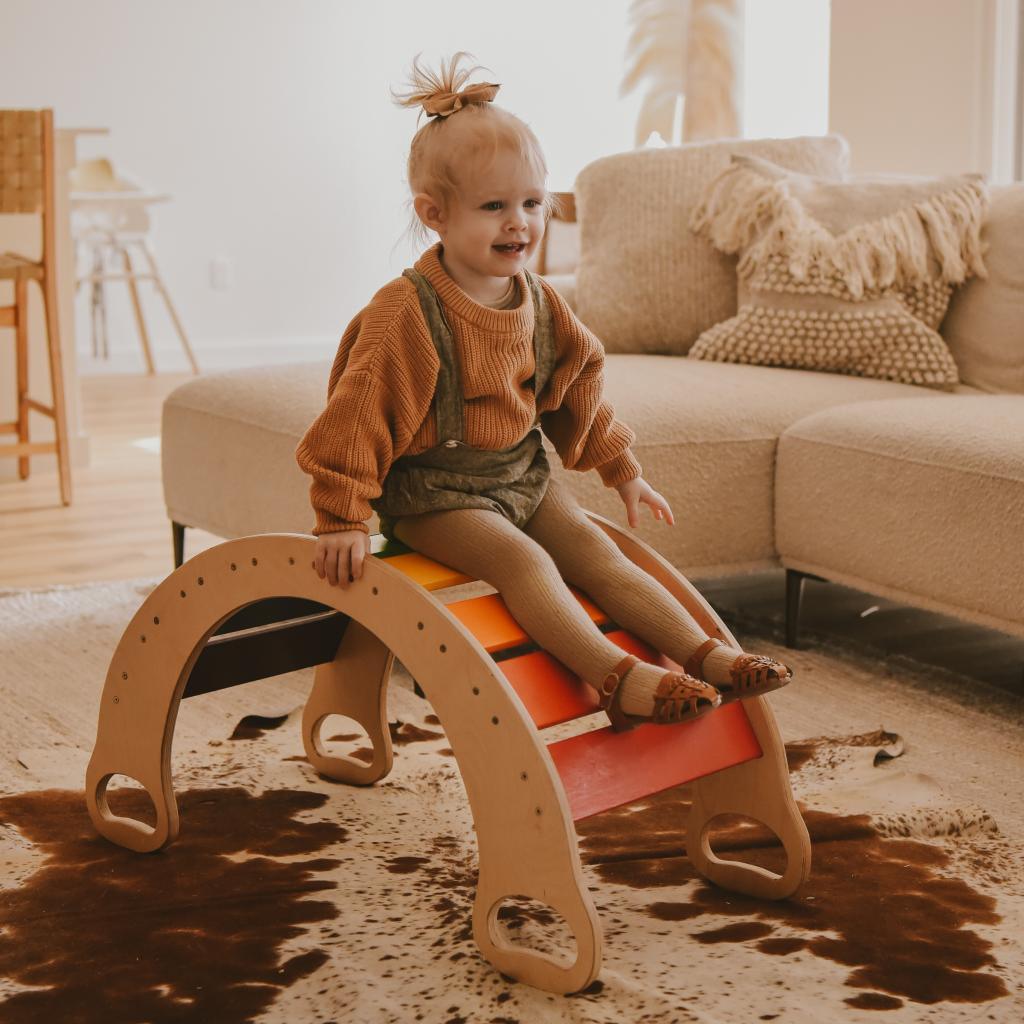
x=620 y=469
x=326 y=523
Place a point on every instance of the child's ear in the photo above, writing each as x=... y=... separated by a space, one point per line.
x=429 y=211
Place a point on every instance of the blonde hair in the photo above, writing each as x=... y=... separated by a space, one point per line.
x=472 y=129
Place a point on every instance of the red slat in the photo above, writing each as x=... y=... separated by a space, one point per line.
x=603 y=769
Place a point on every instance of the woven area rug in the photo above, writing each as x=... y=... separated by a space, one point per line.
x=291 y=898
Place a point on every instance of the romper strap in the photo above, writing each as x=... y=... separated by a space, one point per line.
x=448 y=398
x=543 y=335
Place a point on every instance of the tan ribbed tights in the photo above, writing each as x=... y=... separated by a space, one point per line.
x=530 y=569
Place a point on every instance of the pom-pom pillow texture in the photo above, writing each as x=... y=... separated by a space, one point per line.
x=645 y=283
x=850 y=277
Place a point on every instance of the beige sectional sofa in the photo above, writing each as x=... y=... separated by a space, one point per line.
x=901 y=491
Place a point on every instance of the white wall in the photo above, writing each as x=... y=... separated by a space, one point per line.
x=916 y=86
x=785 y=68
x=271 y=125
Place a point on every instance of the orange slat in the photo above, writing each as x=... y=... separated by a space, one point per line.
x=490 y=621
x=426 y=572
x=551 y=692
x=603 y=769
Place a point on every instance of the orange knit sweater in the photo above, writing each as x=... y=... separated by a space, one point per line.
x=380 y=392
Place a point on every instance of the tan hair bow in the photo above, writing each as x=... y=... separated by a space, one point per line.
x=443 y=104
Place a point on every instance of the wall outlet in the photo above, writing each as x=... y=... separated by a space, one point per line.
x=221 y=273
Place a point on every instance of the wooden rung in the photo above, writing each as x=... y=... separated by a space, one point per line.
x=551 y=692
x=28 y=448
x=490 y=621
x=604 y=769
x=8 y=316
x=9 y=428
x=46 y=410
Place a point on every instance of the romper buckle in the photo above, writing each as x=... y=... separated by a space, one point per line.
x=451 y=444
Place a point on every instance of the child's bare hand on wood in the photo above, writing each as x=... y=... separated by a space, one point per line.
x=339 y=556
x=639 y=490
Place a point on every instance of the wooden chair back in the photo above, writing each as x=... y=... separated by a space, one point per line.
x=26 y=168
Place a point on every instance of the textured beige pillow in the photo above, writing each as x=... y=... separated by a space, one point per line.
x=850 y=277
x=985 y=324
x=645 y=282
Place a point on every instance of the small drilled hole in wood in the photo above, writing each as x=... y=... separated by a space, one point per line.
x=201 y=581
x=117 y=700
x=183 y=593
x=143 y=638
x=375 y=591
x=523 y=776
x=234 y=568
x=537 y=811
x=443 y=648
x=291 y=561
x=156 y=620
x=419 y=625
x=254 y=562
x=124 y=675
x=494 y=719
x=476 y=691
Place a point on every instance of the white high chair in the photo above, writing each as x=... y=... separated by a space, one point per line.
x=109 y=217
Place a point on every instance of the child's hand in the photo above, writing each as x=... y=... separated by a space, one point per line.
x=339 y=556
x=634 y=491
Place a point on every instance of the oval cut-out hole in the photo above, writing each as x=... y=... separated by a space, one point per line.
x=127 y=798
x=340 y=736
x=538 y=927
x=738 y=837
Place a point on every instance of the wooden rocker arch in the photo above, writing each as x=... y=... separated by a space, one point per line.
x=494 y=694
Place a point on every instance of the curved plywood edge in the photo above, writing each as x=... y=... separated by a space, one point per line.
x=758 y=788
x=524 y=828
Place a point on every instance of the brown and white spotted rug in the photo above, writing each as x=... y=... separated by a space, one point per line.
x=291 y=898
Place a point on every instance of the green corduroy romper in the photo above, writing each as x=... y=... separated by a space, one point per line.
x=453 y=474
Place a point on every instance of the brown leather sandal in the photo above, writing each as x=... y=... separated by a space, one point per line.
x=678 y=698
x=752 y=674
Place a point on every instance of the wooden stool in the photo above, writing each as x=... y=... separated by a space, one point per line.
x=494 y=693
x=27 y=186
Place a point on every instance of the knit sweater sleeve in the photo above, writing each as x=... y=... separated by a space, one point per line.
x=573 y=412
x=379 y=393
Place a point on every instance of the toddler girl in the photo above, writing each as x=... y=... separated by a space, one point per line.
x=436 y=401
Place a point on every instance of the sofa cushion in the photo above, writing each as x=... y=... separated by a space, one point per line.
x=706 y=440
x=645 y=282
x=847 y=277
x=917 y=501
x=985 y=324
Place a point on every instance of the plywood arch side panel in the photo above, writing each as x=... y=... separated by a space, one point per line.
x=527 y=843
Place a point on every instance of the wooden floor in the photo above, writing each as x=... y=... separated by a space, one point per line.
x=117 y=528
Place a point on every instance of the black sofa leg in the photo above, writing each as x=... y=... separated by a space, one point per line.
x=178 y=539
x=794 y=596
x=794 y=593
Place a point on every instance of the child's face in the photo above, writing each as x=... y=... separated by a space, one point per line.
x=495 y=224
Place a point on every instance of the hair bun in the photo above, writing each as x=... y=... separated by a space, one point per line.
x=442 y=93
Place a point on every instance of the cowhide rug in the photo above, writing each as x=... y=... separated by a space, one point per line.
x=291 y=898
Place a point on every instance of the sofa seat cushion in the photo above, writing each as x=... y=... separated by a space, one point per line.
x=706 y=437
x=228 y=445
x=918 y=501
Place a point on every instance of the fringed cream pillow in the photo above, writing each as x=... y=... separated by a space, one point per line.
x=850 y=277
